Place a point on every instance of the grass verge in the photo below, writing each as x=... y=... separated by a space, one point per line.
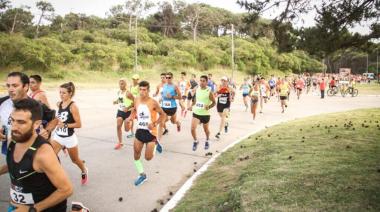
x=322 y=163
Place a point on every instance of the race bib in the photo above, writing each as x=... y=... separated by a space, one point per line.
x=200 y=105
x=223 y=100
x=143 y=125
x=167 y=104
x=62 y=131
x=21 y=198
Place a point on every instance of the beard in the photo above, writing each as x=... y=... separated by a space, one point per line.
x=22 y=138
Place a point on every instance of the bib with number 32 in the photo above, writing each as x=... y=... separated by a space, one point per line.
x=21 y=198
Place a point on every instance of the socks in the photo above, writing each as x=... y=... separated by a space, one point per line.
x=139 y=166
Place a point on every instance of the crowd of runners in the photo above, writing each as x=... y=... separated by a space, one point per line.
x=34 y=131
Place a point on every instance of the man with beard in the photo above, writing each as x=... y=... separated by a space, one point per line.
x=38 y=182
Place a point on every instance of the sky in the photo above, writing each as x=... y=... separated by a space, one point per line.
x=101 y=7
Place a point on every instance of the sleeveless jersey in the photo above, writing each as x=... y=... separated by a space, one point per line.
x=65 y=115
x=29 y=187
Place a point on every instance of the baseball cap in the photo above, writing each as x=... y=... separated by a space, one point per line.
x=225 y=78
x=135 y=76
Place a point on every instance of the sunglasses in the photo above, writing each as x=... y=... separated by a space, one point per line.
x=168 y=77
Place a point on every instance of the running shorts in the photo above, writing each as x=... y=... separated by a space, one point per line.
x=68 y=142
x=144 y=136
x=202 y=119
x=122 y=114
x=170 y=111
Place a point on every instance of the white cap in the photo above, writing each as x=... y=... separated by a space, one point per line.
x=225 y=78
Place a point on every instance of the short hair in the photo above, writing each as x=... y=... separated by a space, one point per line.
x=194 y=75
x=36 y=77
x=70 y=87
x=204 y=77
x=163 y=74
x=30 y=105
x=144 y=84
x=23 y=77
x=210 y=74
x=169 y=73
x=183 y=73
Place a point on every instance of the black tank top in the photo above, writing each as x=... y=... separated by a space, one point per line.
x=29 y=187
x=224 y=97
x=66 y=117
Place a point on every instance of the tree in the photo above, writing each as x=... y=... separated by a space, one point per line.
x=192 y=14
x=45 y=7
x=136 y=7
x=118 y=15
x=338 y=14
x=16 y=20
x=4 y=4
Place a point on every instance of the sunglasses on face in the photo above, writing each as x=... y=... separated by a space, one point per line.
x=168 y=77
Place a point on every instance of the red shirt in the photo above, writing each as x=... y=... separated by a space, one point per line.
x=322 y=85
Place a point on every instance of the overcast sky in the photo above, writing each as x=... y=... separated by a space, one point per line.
x=101 y=7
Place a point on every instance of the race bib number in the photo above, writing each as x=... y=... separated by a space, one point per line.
x=223 y=100
x=21 y=198
x=200 y=105
x=62 y=131
x=121 y=107
x=167 y=104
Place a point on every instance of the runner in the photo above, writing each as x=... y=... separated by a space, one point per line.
x=264 y=88
x=203 y=101
x=38 y=181
x=17 y=86
x=36 y=92
x=308 y=84
x=69 y=119
x=193 y=87
x=245 y=87
x=184 y=87
x=211 y=84
x=272 y=85
x=278 y=83
x=300 y=84
x=125 y=101
x=170 y=93
x=146 y=110
x=158 y=98
x=225 y=96
x=254 y=94
x=284 y=89
x=134 y=89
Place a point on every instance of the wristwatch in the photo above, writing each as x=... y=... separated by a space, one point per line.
x=32 y=209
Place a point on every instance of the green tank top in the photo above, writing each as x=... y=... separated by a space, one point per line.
x=135 y=90
x=202 y=99
x=127 y=101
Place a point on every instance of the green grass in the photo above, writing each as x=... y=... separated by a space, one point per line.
x=371 y=89
x=312 y=164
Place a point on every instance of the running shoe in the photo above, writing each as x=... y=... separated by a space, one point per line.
x=207 y=145
x=166 y=131
x=140 y=180
x=217 y=136
x=78 y=206
x=158 y=147
x=84 y=177
x=195 y=145
x=226 y=128
x=118 y=146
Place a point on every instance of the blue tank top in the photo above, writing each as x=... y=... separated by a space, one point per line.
x=211 y=85
x=246 y=88
x=166 y=102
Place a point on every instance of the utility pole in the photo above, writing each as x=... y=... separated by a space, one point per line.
x=232 y=51
x=135 y=69
x=377 y=66
x=367 y=64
